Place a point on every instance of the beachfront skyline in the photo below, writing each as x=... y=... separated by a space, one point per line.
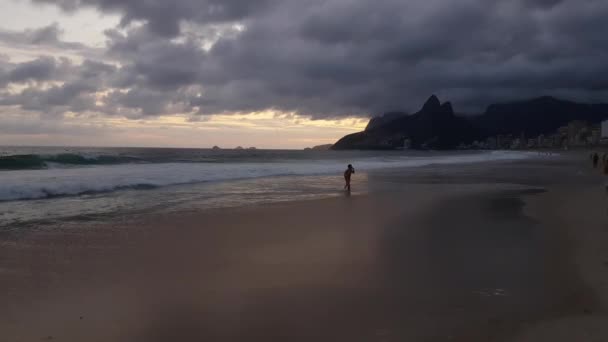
x=277 y=74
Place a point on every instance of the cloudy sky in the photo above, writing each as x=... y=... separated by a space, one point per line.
x=278 y=73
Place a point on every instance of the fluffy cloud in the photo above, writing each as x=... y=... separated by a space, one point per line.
x=324 y=58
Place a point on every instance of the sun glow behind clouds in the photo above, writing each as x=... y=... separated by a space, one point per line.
x=262 y=130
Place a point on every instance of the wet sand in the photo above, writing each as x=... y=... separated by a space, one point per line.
x=467 y=253
x=581 y=215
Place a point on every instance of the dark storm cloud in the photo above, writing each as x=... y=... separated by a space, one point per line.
x=37 y=70
x=56 y=86
x=332 y=58
x=62 y=69
x=39 y=36
x=70 y=96
x=164 y=17
x=46 y=36
x=153 y=62
x=142 y=101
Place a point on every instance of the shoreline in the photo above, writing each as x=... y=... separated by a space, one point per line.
x=36 y=195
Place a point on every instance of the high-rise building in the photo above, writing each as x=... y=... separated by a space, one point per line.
x=576 y=132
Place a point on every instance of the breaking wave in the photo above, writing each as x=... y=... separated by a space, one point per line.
x=36 y=161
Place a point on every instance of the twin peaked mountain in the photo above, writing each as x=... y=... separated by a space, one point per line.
x=436 y=126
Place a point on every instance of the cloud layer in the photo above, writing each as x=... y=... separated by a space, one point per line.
x=322 y=58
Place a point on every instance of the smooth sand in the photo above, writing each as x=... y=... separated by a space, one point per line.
x=437 y=254
x=581 y=213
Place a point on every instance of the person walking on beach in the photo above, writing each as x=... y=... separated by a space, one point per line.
x=349 y=171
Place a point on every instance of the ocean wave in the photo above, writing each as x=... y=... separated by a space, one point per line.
x=36 y=161
x=53 y=182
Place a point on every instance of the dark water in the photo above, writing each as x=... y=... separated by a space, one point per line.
x=24 y=158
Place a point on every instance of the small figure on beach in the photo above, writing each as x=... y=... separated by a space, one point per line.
x=605 y=171
x=596 y=159
x=349 y=171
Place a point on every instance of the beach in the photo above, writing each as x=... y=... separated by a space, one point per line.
x=496 y=251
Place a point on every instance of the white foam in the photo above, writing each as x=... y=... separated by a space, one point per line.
x=34 y=184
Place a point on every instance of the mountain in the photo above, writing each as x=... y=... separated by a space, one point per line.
x=385 y=118
x=537 y=116
x=324 y=147
x=434 y=126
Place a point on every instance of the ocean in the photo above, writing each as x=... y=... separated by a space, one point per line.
x=50 y=186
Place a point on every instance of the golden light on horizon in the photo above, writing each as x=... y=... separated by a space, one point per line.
x=265 y=129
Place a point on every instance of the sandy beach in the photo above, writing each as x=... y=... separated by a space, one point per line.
x=483 y=252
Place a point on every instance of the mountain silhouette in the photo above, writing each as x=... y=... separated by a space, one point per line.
x=537 y=116
x=436 y=126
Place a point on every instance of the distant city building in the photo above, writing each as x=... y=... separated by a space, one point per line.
x=516 y=144
x=491 y=143
x=563 y=132
x=540 y=141
x=596 y=135
x=577 y=133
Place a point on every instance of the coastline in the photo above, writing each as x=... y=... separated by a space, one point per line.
x=379 y=266
x=190 y=180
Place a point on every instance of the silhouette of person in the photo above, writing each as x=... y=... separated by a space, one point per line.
x=596 y=159
x=349 y=171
